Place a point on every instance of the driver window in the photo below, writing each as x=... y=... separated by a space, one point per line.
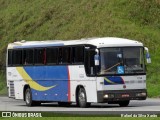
x=89 y=62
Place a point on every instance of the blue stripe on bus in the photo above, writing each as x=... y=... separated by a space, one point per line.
x=110 y=80
x=43 y=45
x=49 y=76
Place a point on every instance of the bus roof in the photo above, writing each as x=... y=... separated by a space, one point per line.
x=99 y=42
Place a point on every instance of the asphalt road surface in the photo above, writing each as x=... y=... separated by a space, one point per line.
x=151 y=106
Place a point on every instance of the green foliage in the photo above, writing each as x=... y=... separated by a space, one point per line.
x=75 y=19
x=3 y=84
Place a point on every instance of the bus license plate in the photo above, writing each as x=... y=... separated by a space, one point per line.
x=125 y=95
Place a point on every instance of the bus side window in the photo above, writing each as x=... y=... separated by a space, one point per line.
x=17 y=57
x=51 y=55
x=39 y=56
x=9 y=57
x=89 y=62
x=65 y=55
x=78 y=54
x=60 y=56
x=28 y=57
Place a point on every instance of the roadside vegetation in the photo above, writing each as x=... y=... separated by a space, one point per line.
x=74 y=19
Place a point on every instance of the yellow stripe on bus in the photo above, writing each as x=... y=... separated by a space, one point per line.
x=32 y=83
x=108 y=81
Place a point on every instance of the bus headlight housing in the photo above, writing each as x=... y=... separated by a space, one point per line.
x=108 y=96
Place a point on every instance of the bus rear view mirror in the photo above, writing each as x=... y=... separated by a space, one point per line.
x=148 y=58
x=96 y=58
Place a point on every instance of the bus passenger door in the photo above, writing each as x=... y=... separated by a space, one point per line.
x=91 y=86
x=89 y=62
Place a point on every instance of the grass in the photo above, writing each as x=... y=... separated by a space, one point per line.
x=74 y=19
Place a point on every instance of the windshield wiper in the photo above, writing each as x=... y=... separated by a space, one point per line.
x=112 y=67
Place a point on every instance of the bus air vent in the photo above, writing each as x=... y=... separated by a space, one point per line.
x=11 y=86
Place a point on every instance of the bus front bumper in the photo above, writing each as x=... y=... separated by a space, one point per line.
x=121 y=95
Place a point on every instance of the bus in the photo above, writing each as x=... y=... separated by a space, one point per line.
x=92 y=70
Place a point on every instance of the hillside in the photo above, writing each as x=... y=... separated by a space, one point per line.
x=75 y=19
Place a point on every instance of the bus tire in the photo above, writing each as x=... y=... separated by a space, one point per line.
x=124 y=103
x=28 y=99
x=82 y=99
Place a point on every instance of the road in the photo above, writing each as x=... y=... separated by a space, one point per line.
x=150 y=106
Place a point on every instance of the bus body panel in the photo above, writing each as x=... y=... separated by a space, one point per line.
x=15 y=83
x=120 y=88
x=121 y=82
x=47 y=82
x=78 y=78
x=52 y=83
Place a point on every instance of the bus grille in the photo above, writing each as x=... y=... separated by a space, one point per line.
x=11 y=86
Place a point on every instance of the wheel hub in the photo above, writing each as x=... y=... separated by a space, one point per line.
x=28 y=98
x=82 y=97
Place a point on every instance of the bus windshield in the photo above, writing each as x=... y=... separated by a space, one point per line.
x=121 y=60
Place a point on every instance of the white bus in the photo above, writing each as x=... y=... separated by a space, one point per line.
x=96 y=70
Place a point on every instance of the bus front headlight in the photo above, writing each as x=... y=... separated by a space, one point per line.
x=106 y=96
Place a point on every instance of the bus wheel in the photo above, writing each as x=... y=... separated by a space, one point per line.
x=124 y=103
x=82 y=99
x=28 y=99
